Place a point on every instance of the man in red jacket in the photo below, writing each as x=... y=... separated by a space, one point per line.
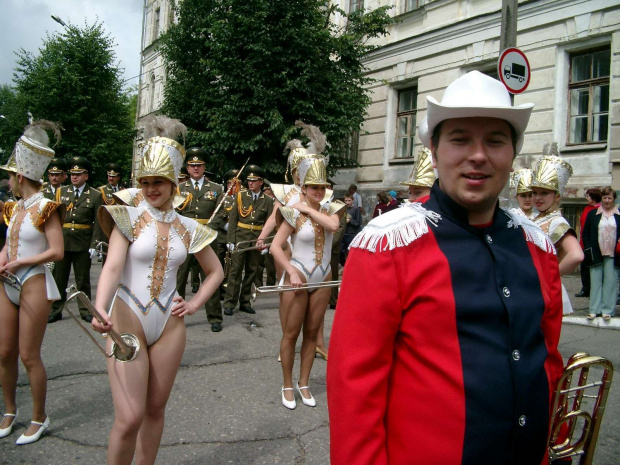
x=444 y=351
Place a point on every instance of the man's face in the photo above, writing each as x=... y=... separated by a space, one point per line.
x=113 y=180
x=78 y=180
x=55 y=179
x=196 y=172
x=255 y=185
x=348 y=201
x=474 y=159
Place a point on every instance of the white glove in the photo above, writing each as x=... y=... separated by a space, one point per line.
x=230 y=246
x=226 y=227
x=93 y=253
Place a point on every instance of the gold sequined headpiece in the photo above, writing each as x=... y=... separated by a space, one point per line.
x=31 y=154
x=521 y=181
x=423 y=174
x=162 y=156
x=297 y=151
x=312 y=172
x=551 y=172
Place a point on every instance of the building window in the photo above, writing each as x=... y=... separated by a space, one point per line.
x=152 y=93
x=156 y=25
x=406 y=122
x=356 y=5
x=411 y=5
x=588 y=93
x=354 y=144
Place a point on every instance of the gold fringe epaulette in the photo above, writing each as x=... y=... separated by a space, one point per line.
x=46 y=210
x=9 y=209
x=289 y=214
x=336 y=207
x=533 y=232
x=202 y=237
x=118 y=215
x=106 y=200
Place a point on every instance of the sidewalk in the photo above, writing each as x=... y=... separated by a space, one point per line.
x=572 y=283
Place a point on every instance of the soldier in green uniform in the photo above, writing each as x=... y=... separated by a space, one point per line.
x=201 y=198
x=81 y=232
x=55 y=174
x=220 y=224
x=250 y=211
x=108 y=190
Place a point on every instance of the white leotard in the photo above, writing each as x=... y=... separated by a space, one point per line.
x=149 y=279
x=27 y=238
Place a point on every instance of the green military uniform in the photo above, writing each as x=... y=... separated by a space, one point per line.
x=199 y=205
x=81 y=232
x=56 y=166
x=108 y=190
x=247 y=218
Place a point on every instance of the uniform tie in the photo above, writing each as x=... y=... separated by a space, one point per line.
x=196 y=188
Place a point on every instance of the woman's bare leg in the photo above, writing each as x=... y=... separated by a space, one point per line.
x=34 y=310
x=164 y=358
x=295 y=303
x=128 y=383
x=9 y=354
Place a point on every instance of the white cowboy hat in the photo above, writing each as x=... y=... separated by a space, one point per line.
x=475 y=95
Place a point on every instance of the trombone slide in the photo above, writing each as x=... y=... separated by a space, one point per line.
x=125 y=347
x=256 y=291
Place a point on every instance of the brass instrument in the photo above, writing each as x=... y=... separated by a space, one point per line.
x=228 y=191
x=10 y=279
x=227 y=266
x=99 y=249
x=575 y=411
x=247 y=249
x=125 y=347
x=256 y=291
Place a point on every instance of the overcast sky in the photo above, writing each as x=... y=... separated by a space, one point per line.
x=24 y=24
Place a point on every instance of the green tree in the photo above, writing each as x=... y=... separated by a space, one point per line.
x=242 y=71
x=76 y=81
x=12 y=122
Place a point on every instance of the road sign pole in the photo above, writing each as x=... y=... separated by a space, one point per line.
x=508 y=33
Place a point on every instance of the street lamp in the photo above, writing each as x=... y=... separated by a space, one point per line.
x=59 y=21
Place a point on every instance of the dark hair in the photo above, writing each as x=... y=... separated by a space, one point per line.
x=595 y=194
x=353 y=187
x=437 y=133
x=608 y=191
x=348 y=196
x=382 y=197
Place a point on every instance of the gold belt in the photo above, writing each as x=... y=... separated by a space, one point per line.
x=253 y=227
x=202 y=220
x=76 y=226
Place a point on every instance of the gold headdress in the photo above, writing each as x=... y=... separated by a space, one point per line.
x=521 y=181
x=297 y=151
x=31 y=154
x=162 y=156
x=423 y=174
x=551 y=172
x=312 y=172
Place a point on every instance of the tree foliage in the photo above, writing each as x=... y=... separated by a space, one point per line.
x=242 y=71
x=14 y=118
x=75 y=81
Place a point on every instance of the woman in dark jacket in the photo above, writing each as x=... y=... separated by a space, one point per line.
x=601 y=234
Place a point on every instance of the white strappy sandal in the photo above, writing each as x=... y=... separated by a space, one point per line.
x=309 y=402
x=23 y=439
x=289 y=404
x=4 y=432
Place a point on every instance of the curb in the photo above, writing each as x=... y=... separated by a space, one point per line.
x=597 y=322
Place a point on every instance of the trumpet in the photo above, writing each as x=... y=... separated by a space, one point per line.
x=125 y=347
x=256 y=291
x=10 y=279
x=569 y=408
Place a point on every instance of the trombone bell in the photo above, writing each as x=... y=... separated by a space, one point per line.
x=11 y=280
x=125 y=347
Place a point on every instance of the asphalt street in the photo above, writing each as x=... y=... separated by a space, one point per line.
x=225 y=406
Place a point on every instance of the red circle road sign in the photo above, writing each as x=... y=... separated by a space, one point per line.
x=514 y=70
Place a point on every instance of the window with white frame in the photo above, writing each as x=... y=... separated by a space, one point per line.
x=156 y=25
x=355 y=5
x=406 y=122
x=411 y=5
x=588 y=93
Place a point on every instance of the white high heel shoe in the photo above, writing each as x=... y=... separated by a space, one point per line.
x=289 y=404
x=23 y=439
x=309 y=402
x=4 y=432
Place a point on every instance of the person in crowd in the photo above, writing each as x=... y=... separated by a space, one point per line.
x=335 y=264
x=521 y=181
x=55 y=171
x=549 y=179
x=113 y=172
x=353 y=226
x=81 y=233
x=601 y=241
x=440 y=313
x=251 y=210
x=383 y=204
x=422 y=177
x=310 y=226
x=201 y=199
x=139 y=289
x=593 y=197
x=34 y=238
x=357 y=199
x=393 y=200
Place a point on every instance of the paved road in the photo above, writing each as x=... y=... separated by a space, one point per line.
x=225 y=406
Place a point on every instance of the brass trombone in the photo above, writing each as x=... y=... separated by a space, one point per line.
x=99 y=249
x=581 y=413
x=247 y=249
x=125 y=347
x=10 y=279
x=256 y=291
